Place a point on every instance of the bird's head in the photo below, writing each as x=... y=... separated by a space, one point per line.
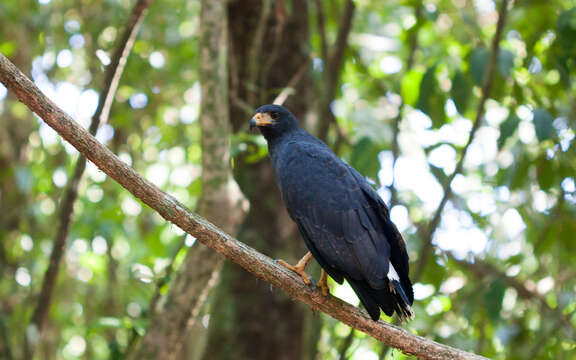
x=273 y=121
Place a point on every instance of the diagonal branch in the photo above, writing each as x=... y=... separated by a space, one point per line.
x=428 y=233
x=112 y=78
x=168 y=207
x=291 y=86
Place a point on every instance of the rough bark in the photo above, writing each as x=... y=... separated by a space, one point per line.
x=169 y=208
x=221 y=200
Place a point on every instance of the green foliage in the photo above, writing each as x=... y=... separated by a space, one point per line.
x=479 y=59
x=513 y=208
x=461 y=92
x=543 y=124
x=431 y=100
x=507 y=128
x=364 y=157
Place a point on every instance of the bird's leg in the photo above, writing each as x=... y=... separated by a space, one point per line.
x=323 y=283
x=300 y=268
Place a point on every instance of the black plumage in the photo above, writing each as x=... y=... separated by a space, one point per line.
x=345 y=224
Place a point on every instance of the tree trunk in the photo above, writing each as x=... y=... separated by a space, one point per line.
x=250 y=320
x=221 y=201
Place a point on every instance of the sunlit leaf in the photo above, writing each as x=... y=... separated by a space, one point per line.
x=411 y=87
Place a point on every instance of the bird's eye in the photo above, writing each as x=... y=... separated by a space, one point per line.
x=275 y=115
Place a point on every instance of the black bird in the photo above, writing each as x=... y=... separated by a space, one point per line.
x=345 y=224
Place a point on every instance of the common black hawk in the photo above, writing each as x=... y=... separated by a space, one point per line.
x=344 y=223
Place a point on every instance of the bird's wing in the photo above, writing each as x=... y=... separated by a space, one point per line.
x=340 y=222
x=398 y=253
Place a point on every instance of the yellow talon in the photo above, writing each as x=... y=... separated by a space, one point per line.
x=300 y=268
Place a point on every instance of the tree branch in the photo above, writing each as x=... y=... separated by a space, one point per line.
x=112 y=78
x=321 y=25
x=290 y=87
x=486 y=90
x=168 y=207
x=256 y=49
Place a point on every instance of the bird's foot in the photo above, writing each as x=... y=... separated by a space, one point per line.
x=323 y=283
x=300 y=268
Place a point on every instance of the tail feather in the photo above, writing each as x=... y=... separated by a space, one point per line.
x=390 y=299
x=366 y=298
x=402 y=304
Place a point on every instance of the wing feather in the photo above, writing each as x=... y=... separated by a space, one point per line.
x=344 y=222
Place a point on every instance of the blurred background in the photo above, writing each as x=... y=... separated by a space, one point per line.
x=474 y=154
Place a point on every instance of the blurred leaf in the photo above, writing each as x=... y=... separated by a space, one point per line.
x=519 y=173
x=543 y=124
x=7 y=48
x=507 y=128
x=461 y=92
x=112 y=322
x=546 y=173
x=493 y=299
x=411 y=87
x=505 y=63
x=431 y=100
x=439 y=174
x=478 y=64
x=364 y=157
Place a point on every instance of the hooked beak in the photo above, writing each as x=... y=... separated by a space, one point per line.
x=261 y=119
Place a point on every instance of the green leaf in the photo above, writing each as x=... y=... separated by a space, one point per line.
x=543 y=124
x=505 y=63
x=519 y=172
x=364 y=157
x=507 y=128
x=431 y=100
x=461 y=91
x=411 y=87
x=478 y=64
x=7 y=48
x=438 y=174
x=546 y=173
x=493 y=298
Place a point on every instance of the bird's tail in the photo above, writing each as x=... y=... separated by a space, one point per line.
x=390 y=299
x=402 y=305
